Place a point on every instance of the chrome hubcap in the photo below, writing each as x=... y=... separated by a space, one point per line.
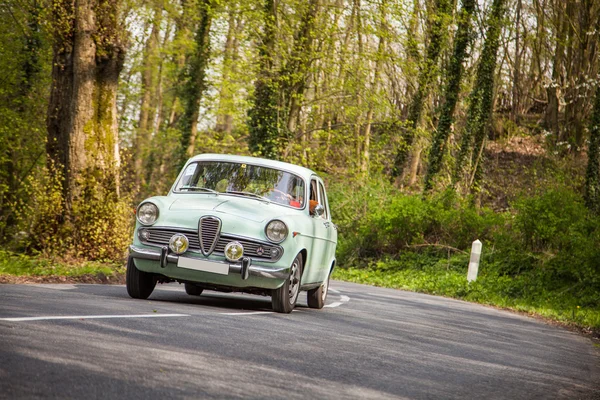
x=294 y=282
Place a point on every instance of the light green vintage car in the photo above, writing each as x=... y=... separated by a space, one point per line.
x=233 y=223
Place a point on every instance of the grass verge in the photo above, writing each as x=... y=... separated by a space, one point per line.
x=20 y=268
x=520 y=293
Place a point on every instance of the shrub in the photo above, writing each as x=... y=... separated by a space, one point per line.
x=99 y=226
x=549 y=220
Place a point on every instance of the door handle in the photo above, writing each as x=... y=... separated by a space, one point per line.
x=326 y=223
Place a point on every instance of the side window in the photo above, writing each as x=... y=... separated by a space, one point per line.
x=314 y=199
x=323 y=201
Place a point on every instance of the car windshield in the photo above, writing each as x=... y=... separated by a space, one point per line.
x=243 y=180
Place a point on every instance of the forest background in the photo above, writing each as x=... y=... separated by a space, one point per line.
x=435 y=123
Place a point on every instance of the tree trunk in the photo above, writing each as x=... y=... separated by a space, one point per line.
x=517 y=65
x=300 y=63
x=82 y=117
x=264 y=113
x=481 y=100
x=552 y=90
x=16 y=147
x=224 y=117
x=438 y=29
x=365 y=158
x=195 y=82
x=148 y=104
x=592 y=177
x=462 y=42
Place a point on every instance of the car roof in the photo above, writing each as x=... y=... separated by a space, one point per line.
x=296 y=169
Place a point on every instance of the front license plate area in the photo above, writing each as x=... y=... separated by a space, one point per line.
x=203 y=265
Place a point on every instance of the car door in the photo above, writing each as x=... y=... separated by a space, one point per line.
x=330 y=234
x=316 y=253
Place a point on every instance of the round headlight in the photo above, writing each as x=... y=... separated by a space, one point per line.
x=179 y=243
x=147 y=214
x=234 y=251
x=276 y=231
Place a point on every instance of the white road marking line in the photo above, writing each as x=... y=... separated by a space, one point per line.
x=58 y=286
x=333 y=290
x=23 y=319
x=248 y=313
x=343 y=299
x=387 y=296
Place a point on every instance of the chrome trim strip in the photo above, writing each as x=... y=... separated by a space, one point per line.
x=253 y=270
x=215 y=239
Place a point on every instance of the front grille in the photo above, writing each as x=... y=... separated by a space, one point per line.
x=250 y=247
x=208 y=233
x=161 y=237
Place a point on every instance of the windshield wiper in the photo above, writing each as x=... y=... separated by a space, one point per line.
x=198 y=188
x=250 y=194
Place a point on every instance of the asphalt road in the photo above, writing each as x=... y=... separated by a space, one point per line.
x=368 y=343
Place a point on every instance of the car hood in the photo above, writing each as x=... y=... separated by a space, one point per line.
x=205 y=202
x=241 y=207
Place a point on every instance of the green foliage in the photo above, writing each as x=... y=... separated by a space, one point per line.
x=439 y=20
x=374 y=222
x=19 y=264
x=481 y=101
x=563 y=235
x=25 y=64
x=193 y=81
x=263 y=123
x=264 y=114
x=547 y=221
x=447 y=277
x=462 y=41
x=99 y=227
x=543 y=255
x=592 y=176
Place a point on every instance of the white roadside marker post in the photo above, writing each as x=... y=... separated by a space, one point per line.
x=474 y=261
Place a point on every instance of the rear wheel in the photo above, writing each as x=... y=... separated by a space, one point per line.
x=284 y=299
x=192 y=289
x=316 y=297
x=139 y=284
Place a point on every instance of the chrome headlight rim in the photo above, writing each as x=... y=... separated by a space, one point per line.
x=272 y=240
x=143 y=204
x=229 y=246
x=173 y=243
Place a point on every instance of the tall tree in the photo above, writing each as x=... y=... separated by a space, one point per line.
x=263 y=116
x=462 y=40
x=89 y=50
x=437 y=33
x=592 y=177
x=481 y=100
x=374 y=87
x=294 y=76
x=149 y=88
x=551 y=115
x=194 y=82
x=230 y=56
x=22 y=97
x=517 y=64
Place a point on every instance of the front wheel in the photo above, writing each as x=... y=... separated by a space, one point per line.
x=139 y=284
x=316 y=297
x=284 y=299
x=193 y=290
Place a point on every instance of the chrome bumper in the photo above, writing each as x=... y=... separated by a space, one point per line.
x=245 y=269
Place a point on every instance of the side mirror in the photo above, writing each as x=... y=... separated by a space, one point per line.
x=319 y=210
